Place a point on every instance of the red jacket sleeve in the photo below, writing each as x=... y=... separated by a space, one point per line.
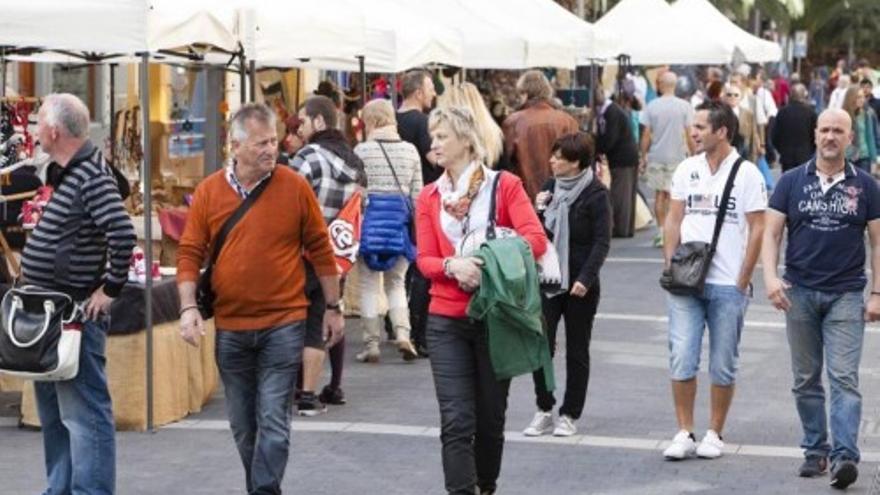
x=516 y=208
x=429 y=258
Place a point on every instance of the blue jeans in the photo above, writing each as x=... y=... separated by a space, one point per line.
x=833 y=324
x=77 y=419
x=258 y=369
x=721 y=308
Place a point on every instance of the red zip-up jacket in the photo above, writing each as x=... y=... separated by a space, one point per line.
x=514 y=210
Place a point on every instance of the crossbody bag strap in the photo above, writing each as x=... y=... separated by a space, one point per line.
x=490 y=229
x=394 y=174
x=722 y=208
x=235 y=217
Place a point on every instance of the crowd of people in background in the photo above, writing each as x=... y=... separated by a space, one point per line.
x=433 y=178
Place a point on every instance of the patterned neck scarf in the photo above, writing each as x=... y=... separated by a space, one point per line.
x=457 y=197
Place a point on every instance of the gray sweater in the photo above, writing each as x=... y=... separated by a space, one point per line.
x=404 y=158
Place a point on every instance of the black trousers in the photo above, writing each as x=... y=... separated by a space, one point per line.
x=623 y=200
x=579 y=313
x=419 y=300
x=472 y=404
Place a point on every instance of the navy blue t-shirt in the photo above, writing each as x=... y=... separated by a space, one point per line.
x=826 y=232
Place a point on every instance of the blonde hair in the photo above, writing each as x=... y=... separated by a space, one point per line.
x=379 y=113
x=534 y=85
x=462 y=123
x=467 y=95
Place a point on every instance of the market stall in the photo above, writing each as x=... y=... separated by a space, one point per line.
x=703 y=13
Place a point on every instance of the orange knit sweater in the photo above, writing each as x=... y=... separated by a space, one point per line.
x=259 y=279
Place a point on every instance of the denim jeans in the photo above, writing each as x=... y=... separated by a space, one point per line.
x=258 y=369
x=579 y=313
x=472 y=404
x=77 y=419
x=831 y=324
x=721 y=308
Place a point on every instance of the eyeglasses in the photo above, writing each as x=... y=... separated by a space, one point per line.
x=732 y=95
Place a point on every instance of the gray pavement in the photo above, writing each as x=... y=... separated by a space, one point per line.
x=384 y=441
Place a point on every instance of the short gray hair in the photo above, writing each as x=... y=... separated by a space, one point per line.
x=249 y=111
x=67 y=113
x=799 y=93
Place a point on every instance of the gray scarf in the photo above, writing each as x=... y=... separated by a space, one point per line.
x=565 y=193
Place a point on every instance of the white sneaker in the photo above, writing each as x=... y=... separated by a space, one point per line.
x=683 y=446
x=541 y=423
x=564 y=427
x=711 y=446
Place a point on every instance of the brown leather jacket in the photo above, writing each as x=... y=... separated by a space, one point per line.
x=529 y=135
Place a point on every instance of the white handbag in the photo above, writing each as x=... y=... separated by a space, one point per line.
x=41 y=334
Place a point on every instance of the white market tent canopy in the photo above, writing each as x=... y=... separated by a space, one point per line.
x=123 y=27
x=652 y=34
x=701 y=12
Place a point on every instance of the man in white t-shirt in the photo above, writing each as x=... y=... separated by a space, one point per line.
x=697 y=188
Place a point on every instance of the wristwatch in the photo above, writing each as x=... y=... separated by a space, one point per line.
x=337 y=306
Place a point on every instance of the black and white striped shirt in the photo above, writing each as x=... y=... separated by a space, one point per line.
x=83 y=223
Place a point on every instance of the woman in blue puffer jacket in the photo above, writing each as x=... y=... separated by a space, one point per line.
x=394 y=180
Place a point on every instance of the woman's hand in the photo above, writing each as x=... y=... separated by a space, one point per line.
x=578 y=290
x=467 y=272
x=541 y=199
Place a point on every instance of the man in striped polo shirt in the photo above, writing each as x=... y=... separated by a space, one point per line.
x=82 y=228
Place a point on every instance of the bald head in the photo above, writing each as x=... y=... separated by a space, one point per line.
x=799 y=93
x=667 y=82
x=833 y=134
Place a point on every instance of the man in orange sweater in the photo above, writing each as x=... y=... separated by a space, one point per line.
x=259 y=282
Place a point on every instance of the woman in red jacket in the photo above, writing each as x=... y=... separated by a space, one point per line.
x=455 y=207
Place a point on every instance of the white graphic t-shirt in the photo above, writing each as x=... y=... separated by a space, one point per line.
x=701 y=192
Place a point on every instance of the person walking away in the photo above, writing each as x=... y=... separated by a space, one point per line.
x=90 y=264
x=698 y=185
x=529 y=133
x=575 y=210
x=792 y=134
x=615 y=140
x=664 y=144
x=394 y=180
x=826 y=205
x=418 y=93
x=335 y=174
x=472 y=400
x=863 y=149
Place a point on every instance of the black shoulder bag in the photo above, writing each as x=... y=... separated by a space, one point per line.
x=204 y=291
x=686 y=275
x=411 y=224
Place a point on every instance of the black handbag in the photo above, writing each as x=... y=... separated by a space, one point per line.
x=689 y=266
x=411 y=223
x=41 y=334
x=204 y=291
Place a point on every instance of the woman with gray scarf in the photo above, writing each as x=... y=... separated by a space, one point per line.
x=575 y=209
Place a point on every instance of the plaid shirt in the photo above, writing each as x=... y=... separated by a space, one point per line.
x=237 y=186
x=333 y=181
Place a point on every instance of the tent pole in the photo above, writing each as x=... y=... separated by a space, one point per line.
x=363 y=72
x=3 y=70
x=113 y=115
x=146 y=181
x=593 y=88
x=392 y=80
x=242 y=76
x=253 y=71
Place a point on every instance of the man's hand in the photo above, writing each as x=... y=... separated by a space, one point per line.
x=98 y=304
x=872 y=308
x=333 y=327
x=192 y=327
x=578 y=290
x=643 y=165
x=776 y=292
x=743 y=285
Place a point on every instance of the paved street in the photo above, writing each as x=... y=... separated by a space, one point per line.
x=384 y=441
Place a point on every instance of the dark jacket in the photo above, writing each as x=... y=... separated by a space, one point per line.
x=589 y=221
x=793 y=134
x=615 y=138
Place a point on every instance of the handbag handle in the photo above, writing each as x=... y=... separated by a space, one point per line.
x=490 y=229
x=48 y=307
x=394 y=174
x=722 y=208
